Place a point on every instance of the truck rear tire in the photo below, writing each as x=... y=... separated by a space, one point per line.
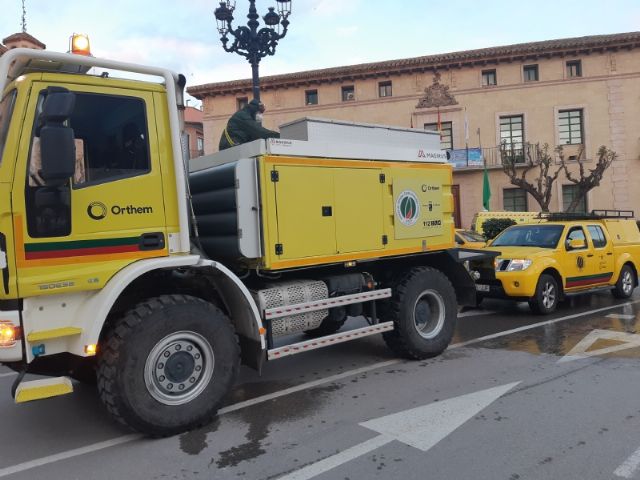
x=424 y=310
x=625 y=284
x=165 y=366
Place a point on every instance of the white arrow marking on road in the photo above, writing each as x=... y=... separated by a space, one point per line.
x=421 y=427
x=580 y=351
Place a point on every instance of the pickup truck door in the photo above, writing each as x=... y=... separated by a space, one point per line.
x=580 y=267
x=603 y=252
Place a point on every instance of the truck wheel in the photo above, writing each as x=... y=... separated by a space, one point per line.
x=166 y=365
x=625 y=284
x=424 y=310
x=546 y=297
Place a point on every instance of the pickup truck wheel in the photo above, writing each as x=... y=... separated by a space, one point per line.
x=625 y=284
x=166 y=365
x=424 y=310
x=546 y=297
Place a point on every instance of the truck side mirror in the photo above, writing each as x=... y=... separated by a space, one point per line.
x=57 y=140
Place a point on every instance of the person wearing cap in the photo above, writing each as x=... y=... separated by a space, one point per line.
x=245 y=126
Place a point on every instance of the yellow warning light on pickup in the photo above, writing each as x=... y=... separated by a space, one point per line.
x=91 y=350
x=79 y=44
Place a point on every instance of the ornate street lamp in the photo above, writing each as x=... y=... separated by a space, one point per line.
x=251 y=43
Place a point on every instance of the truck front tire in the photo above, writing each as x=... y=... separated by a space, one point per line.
x=547 y=295
x=424 y=310
x=166 y=365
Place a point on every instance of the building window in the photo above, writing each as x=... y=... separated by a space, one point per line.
x=512 y=138
x=348 y=93
x=489 y=78
x=570 y=127
x=446 y=133
x=569 y=193
x=311 y=97
x=530 y=73
x=514 y=200
x=200 y=145
x=384 y=89
x=574 y=68
x=241 y=102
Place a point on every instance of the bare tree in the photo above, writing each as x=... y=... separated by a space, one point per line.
x=539 y=160
x=584 y=181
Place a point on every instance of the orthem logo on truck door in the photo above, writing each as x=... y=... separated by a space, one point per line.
x=98 y=210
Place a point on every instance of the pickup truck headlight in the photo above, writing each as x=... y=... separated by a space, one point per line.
x=518 y=265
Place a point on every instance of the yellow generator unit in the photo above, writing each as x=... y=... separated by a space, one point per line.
x=304 y=201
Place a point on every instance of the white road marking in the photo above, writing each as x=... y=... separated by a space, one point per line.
x=540 y=324
x=21 y=467
x=7 y=374
x=305 y=386
x=128 y=438
x=629 y=467
x=621 y=316
x=581 y=349
x=421 y=427
x=473 y=313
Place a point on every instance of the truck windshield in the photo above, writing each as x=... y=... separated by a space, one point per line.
x=543 y=236
x=6 y=109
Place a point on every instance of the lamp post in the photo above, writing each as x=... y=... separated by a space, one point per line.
x=251 y=42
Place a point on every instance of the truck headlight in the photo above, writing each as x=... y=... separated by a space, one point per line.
x=518 y=264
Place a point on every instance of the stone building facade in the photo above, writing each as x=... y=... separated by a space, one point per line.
x=578 y=92
x=21 y=40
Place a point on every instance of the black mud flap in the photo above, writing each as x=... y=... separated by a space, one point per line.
x=252 y=353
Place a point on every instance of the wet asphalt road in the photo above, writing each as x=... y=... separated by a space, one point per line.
x=504 y=402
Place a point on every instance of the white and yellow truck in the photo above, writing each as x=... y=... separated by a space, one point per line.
x=119 y=265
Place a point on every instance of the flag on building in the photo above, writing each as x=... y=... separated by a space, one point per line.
x=486 y=190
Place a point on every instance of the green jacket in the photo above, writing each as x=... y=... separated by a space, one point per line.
x=242 y=127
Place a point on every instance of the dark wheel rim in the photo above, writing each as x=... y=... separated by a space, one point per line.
x=429 y=314
x=627 y=282
x=179 y=368
x=548 y=295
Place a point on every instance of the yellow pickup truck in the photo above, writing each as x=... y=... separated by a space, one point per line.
x=562 y=255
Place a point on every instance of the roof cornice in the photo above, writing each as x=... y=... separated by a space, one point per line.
x=467 y=58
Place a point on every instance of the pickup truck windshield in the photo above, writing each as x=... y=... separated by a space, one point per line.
x=6 y=109
x=543 y=236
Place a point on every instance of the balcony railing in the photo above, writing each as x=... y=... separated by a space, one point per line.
x=493 y=157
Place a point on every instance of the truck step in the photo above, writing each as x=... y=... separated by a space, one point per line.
x=53 y=333
x=46 y=388
x=287 y=310
x=333 y=339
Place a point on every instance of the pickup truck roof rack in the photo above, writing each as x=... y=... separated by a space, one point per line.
x=594 y=215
